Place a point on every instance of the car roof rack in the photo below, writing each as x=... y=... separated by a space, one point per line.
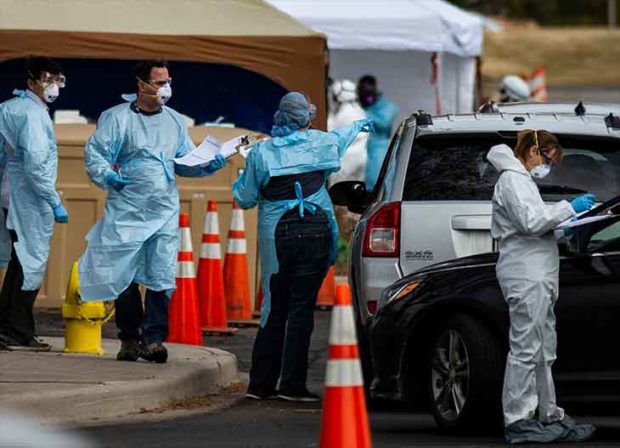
x=581 y=109
x=422 y=118
x=612 y=121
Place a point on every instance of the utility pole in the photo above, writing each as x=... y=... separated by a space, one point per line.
x=612 y=13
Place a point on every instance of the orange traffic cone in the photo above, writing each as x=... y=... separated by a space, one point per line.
x=184 y=317
x=258 y=303
x=325 y=298
x=236 y=278
x=211 y=279
x=538 y=85
x=344 y=420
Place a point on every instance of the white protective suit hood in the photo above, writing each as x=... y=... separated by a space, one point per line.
x=503 y=158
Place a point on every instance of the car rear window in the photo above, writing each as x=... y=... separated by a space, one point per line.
x=454 y=167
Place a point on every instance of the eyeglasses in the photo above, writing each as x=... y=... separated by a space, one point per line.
x=47 y=78
x=161 y=82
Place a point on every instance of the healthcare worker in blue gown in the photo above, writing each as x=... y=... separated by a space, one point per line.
x=136 y=242
x=30 y=203
x=383 y=113
x=297 y=238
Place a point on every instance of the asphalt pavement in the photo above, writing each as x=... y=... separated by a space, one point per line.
x=242 y=423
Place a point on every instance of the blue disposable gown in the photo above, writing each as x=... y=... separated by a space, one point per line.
x=383 y=113
x=297 y=153
x=137 y=238
x=31 y=166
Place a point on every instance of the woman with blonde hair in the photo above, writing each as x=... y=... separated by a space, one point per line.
x=527 y=271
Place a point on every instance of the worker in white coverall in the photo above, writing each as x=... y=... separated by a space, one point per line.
x=346 y=111
x=527 y=271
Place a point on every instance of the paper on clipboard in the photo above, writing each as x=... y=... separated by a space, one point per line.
x=207 y=150
x=582 y=222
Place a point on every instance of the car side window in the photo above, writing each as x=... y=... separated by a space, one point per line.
x=607 y=239
x=385 y=181
x=449 y=169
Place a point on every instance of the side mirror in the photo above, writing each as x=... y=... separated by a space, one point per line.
x=351 y=194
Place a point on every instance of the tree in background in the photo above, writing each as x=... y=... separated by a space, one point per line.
x=546 y=12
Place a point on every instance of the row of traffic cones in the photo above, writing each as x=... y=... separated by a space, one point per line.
x=201 y=303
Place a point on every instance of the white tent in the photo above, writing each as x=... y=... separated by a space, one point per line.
x=394 y=40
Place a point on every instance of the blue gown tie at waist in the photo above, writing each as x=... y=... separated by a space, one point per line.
x=160 y=158
x=300 y=202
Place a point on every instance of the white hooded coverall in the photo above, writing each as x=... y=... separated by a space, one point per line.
x=348 y=111
x=527 y=271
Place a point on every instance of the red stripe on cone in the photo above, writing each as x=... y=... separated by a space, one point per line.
x=183 y=315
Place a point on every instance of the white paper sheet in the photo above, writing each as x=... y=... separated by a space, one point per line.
x=582 y=222
x=207 y=150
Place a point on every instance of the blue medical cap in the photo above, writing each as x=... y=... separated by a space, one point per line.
x=294 y=112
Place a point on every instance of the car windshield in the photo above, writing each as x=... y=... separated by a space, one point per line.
x=454 y=167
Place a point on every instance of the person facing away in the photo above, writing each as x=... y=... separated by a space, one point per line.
x=130 y=155
x=346 y=111
x=527 y=271
x=383 y=113
x=30 y=203
x=297 y=239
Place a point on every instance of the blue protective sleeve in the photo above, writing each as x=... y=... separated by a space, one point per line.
x=102 y=149
x=40 y=162
x=347 y=135
x=247 y=187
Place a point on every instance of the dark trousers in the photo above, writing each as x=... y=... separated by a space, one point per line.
x=281 y=347
x=137 y=324
x=16 y=305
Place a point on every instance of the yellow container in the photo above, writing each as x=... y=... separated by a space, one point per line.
x=83 y=320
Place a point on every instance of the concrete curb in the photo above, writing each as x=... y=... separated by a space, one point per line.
x=191 y=371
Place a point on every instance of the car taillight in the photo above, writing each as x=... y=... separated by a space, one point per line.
x=372 y=306
x=382 y=233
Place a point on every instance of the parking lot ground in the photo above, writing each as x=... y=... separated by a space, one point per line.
x=241 y=423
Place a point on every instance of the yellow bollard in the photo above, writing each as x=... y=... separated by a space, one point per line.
x=83 y=320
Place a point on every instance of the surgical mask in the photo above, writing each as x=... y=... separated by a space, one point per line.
x=540 y=171
x=51 y=92
x=164 y=93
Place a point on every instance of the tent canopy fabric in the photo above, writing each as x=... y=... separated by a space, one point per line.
x=392 y=25
x=246 y=33
x=174 y=17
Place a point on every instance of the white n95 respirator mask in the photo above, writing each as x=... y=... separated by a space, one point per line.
x=51 y=92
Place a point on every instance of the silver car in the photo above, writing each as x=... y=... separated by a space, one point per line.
x=432 y=202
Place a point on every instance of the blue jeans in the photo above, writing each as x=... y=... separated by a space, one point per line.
x=136 y=324
x=281 y=347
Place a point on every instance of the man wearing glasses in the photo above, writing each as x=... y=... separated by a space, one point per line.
x=135 y=243
x=30 y=203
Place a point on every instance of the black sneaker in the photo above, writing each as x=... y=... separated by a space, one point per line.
x=303 y=396
x=33 y=345
x=130 y=351
x=260 y=394
x=154 y=352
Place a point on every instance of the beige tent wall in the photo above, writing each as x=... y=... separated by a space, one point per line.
x=85 y=203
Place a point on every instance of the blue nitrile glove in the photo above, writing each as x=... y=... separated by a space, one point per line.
x=217 y=164
x=115 y=181
x=60 y=214
x=583 y=203
x=368 y=125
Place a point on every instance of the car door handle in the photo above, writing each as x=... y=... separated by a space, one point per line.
x=471 y=222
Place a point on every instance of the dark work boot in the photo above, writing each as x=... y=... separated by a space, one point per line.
x=154 y=352
x=130 y=351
